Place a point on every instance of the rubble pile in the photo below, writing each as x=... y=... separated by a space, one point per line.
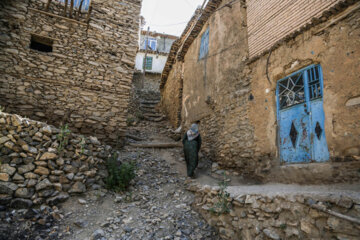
x=41 y=164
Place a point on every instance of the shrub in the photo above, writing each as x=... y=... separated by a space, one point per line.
x=119 y=176
x=63 y=137
x=223 y=205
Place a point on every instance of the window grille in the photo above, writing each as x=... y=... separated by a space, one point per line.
x=148 y=63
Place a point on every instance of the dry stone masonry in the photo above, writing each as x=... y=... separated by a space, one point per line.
x=85 y=80
x=281 y=216
x=34 y=170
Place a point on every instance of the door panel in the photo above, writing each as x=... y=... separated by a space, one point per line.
x=301 y=117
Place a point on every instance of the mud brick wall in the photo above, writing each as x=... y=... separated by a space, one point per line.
x=270 y=21
x=336 y=50
x=280 y=216
x=85 y=81
x=33 y=170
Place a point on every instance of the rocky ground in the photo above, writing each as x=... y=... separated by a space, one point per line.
x=157 y=205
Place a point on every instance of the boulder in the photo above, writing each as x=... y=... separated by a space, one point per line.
x=20 y=203
x=62 y=197
x=42 y=171
x=44 y=184
x=26 y=168
x=8 y=187
x=48 y=156
x=4 y=177
x=78 y=187
x=6 y=168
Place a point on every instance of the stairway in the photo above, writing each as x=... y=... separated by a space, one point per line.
x=148 y=102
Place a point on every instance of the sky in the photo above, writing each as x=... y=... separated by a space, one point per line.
x=168 y=16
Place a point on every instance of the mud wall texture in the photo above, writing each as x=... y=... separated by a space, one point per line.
x=232 y=98
x=281 y=216
x=336 y=49
x=215 y=88
x=35 y=170
x=270 y=21
x=86 y=79
x=171 y=100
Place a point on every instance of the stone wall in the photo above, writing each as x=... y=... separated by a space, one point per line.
x=86 y=80
x=281 y=216
x=230 y=94
x=33 y=170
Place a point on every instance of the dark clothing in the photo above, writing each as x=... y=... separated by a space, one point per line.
x=191 y=149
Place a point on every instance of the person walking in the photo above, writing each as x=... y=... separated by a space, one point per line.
x=192 y=145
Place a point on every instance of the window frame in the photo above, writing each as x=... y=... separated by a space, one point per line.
x=204 y=44
x=149 y=41
x=145 y=62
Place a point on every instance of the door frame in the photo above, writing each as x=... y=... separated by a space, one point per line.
x=307 y=102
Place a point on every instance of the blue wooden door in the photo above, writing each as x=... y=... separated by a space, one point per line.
x=300 y=113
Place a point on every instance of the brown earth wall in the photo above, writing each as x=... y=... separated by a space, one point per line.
x=85 y=81
x=337 y=50
x=172 y=95
x=232 y=99
x=216 y=89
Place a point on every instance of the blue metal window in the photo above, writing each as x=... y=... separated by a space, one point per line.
x=85 y=5
x=151 y=43
x=204 y=46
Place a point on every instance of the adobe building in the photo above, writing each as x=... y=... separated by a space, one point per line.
x=277 y=95
x=61 y=65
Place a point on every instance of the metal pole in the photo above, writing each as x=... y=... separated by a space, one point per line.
x=144 y=65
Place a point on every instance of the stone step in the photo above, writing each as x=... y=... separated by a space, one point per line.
x=153 y=115
x=149 y=102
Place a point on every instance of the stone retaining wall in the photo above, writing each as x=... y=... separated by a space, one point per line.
x=280 y=216
x=34 y=171
x=86 y=80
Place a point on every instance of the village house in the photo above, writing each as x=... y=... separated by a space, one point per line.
x=69 y=64
x=156 y=47
x=276 y=94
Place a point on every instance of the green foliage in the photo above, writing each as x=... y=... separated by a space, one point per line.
x=63 y=137
x=119 y=176
x=139 y=115
x=82 y=144
x=283 y=226
x=223 y=205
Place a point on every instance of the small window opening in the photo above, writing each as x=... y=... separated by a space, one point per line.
x=42 y=44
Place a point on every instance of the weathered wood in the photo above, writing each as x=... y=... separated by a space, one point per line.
x=57 y=16
x=79 y=10
x=156 y=145
x=89 y=13
x=65 y=7
x=71 y=8
x=340 y=17
x=336 y=214
x=47 y=5
x=136 y=138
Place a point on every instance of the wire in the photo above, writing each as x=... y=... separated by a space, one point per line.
x=172 y=24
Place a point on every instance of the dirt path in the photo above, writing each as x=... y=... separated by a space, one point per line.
x=157 y=205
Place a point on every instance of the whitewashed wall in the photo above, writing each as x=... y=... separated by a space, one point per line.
x=157 y=65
